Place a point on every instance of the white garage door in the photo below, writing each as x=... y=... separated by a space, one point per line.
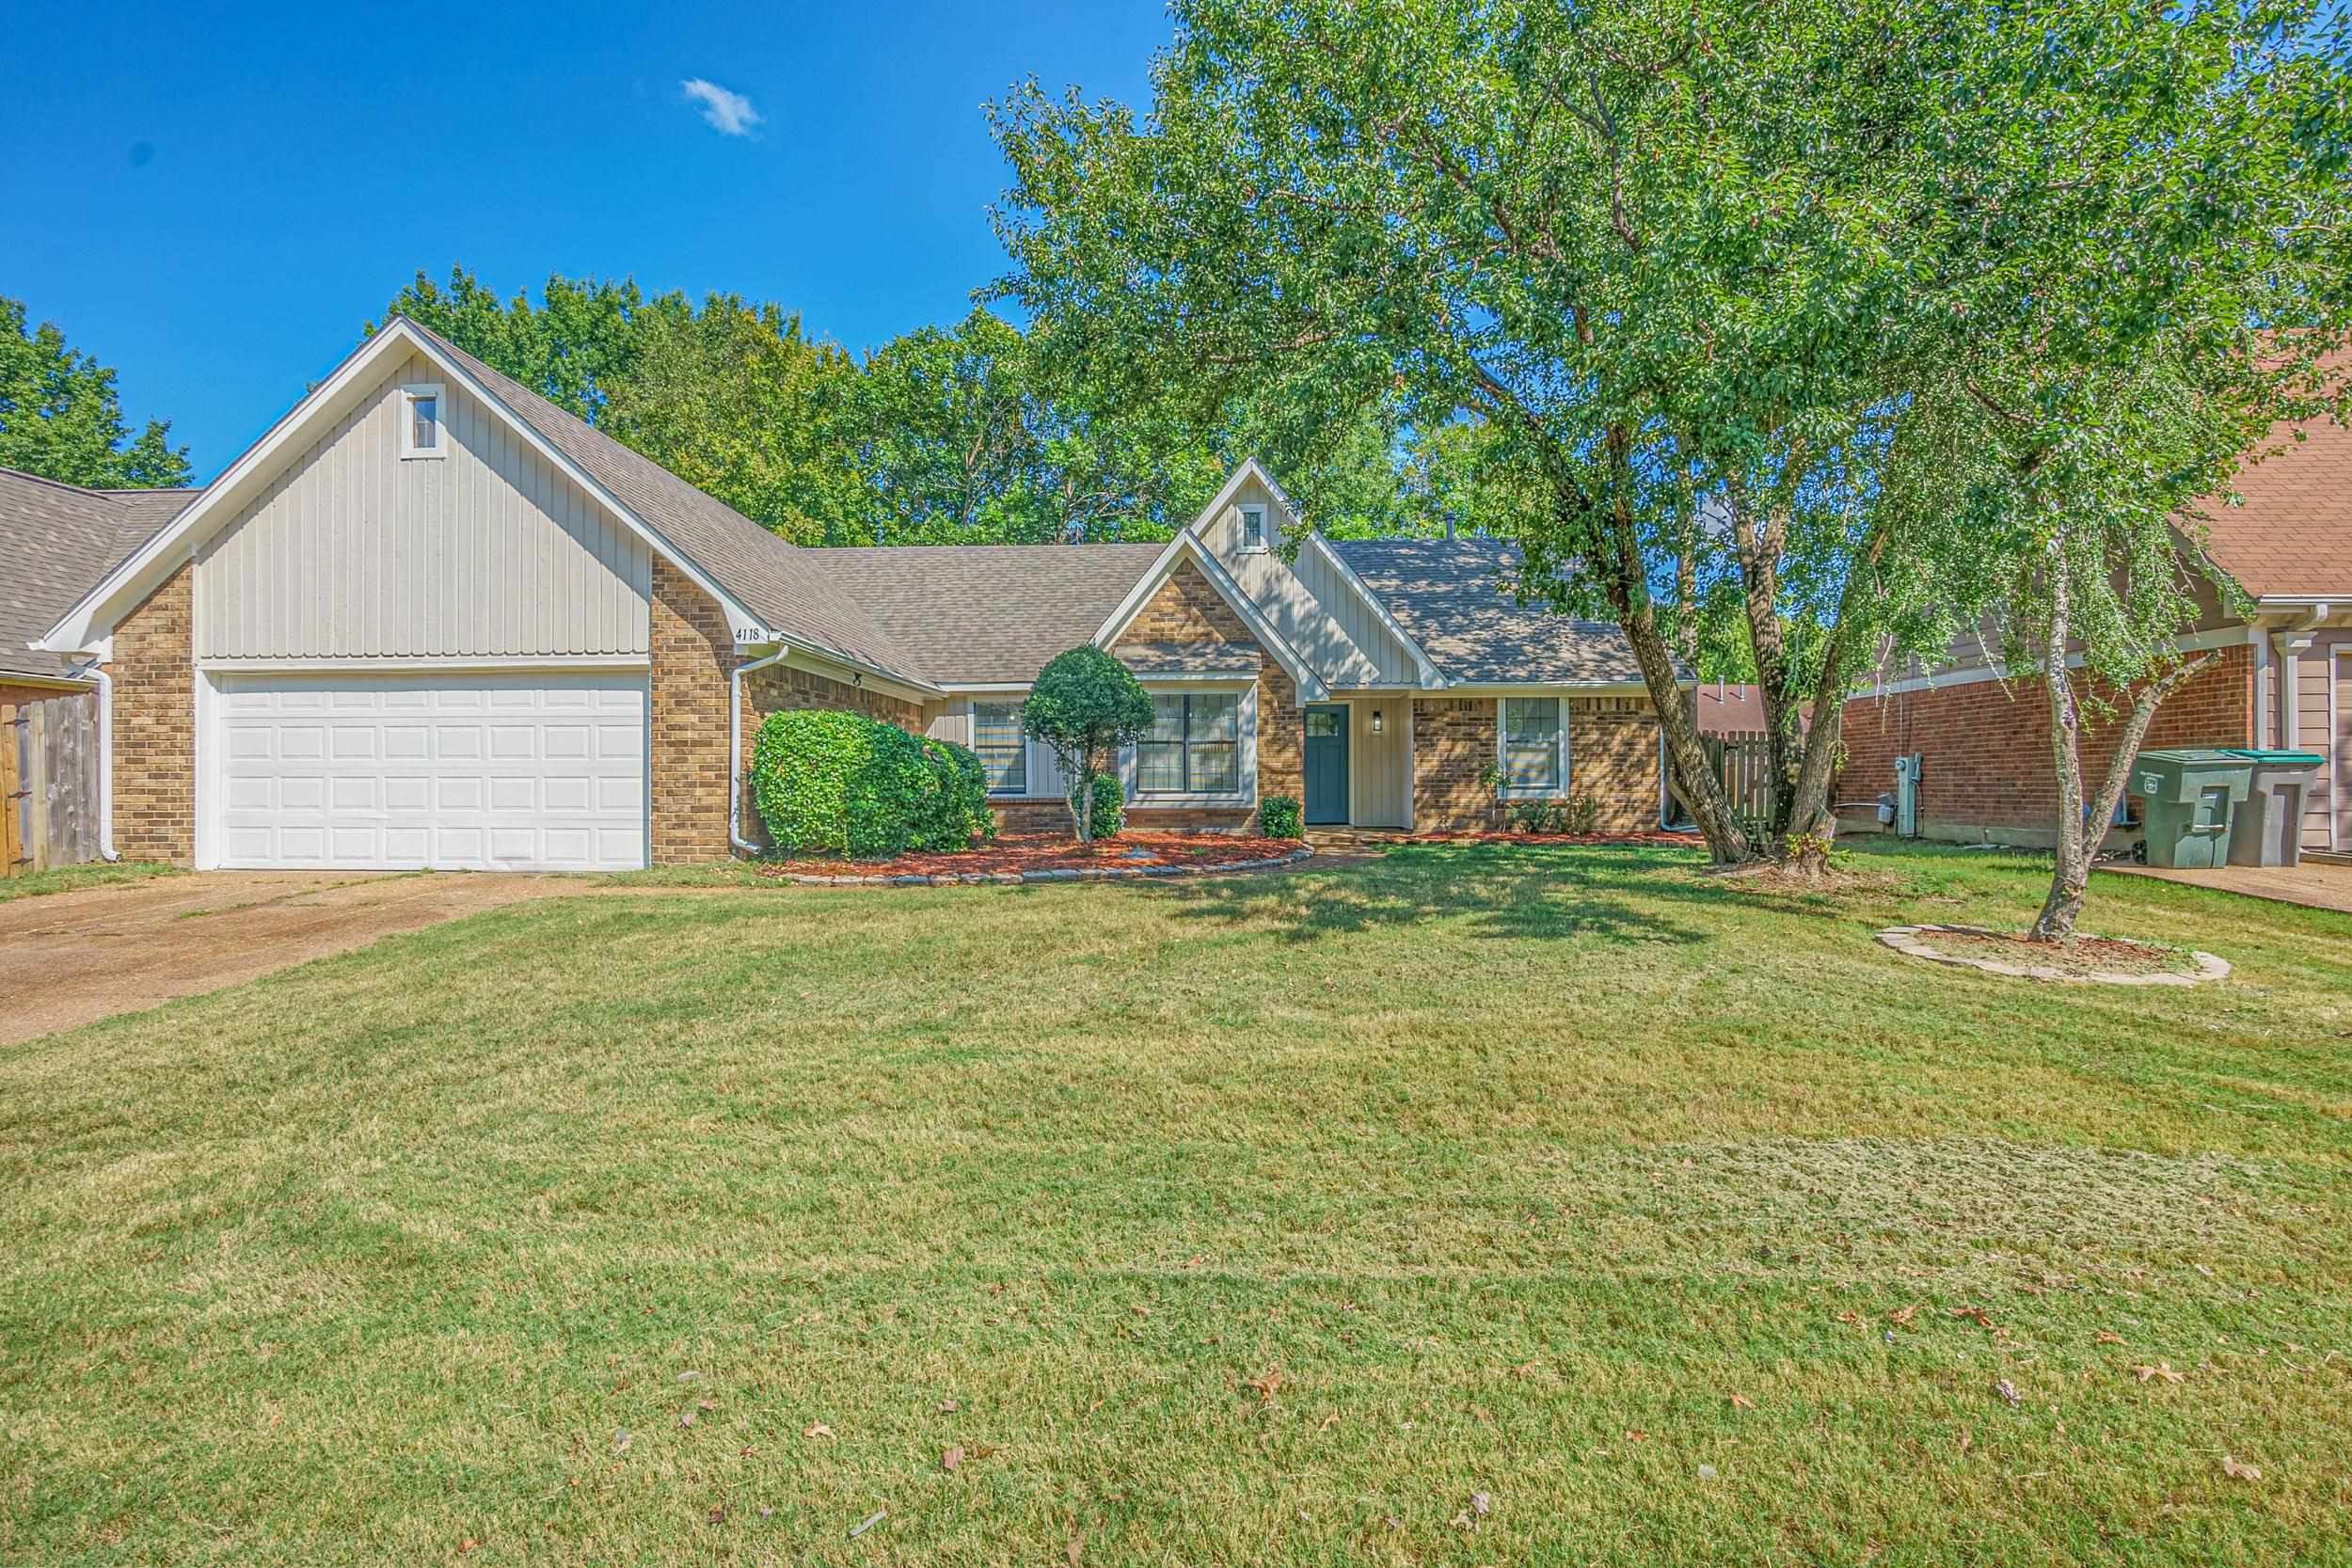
x=528 y=772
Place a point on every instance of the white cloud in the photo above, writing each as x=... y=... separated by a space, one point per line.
x=729 y=113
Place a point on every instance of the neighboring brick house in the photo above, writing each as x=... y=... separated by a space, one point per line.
x=2280 y=674
x=56 y=540
x=432 y=620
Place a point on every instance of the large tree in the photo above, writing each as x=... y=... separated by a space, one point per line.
x=61 y=419
x=1658 y=259
x=2151 y=204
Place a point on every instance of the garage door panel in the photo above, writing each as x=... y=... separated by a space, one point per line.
x=527 y=771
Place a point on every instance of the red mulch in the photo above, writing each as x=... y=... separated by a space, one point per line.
x=2083 y=955
x=1056 y=851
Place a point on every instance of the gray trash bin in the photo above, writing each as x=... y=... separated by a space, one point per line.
x=2267 y=829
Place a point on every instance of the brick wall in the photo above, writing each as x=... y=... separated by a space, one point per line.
x=693 y=656
x=1988 y=771
x=1454 y=742
x=153 y=670
x=1189 y=611
x=693 y=660
x=1612 y=757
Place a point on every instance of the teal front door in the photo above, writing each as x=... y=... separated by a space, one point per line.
x=1326 y=765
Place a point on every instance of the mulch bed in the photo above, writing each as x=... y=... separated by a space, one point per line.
x=1053 y=857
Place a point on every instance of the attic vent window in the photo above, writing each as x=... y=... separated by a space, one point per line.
x=1254 y=527
x=421 y=422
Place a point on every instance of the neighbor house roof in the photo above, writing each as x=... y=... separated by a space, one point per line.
x=789 y=586
x=986 y=612
x=2291 y=535
x=1454 y=597
x=1726 y=709
x=56 y=542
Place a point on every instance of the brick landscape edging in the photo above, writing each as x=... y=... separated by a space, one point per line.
x=1905 y=940
x=1058 y=874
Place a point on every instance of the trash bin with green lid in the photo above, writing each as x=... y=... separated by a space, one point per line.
x=2268 y=829
x=2191 y=793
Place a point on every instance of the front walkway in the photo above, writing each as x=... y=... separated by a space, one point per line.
x=2310 y=884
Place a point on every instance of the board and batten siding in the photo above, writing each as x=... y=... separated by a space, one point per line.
x=1343 y=604
x=356 y=552
x=952 y=720
x=1380 y=766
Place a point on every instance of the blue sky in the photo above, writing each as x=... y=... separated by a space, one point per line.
x=213 y=204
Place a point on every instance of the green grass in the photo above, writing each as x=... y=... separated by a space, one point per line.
x=74 y=879
x=1515 y=1164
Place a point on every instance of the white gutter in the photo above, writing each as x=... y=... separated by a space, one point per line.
x=107 y=850
x=735 y=751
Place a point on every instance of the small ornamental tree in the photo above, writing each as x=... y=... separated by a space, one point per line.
x=1084 y=707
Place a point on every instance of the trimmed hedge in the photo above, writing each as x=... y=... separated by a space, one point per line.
x=832 y=782
x=1279 y=817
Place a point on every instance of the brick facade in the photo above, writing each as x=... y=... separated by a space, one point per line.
x=1612 y=757
x=693 y=657
x=1987 y=745
x=694 y=664
x=1188 y=611
x=153 y=671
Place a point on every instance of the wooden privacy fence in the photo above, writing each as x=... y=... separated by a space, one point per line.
x=48 y=784
x=1742 y=764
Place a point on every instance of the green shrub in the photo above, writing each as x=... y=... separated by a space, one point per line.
x=1279 y=817
x=1084 y=705
x=832 y=783
x=1583 y=815
x=1110 y=805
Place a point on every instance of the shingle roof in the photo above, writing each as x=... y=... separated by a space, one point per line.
x=1452 y=596
x=56 y=542
x=787 y=586
x=2292 y=537
x=986 y=612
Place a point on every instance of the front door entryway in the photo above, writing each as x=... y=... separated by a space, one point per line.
x=1327 y=764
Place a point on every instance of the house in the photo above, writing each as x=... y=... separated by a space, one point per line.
x=431 y=620
x=55 y=541
x=2281 y=676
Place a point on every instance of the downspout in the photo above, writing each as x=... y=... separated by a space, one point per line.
x=97 y=672
x=735 y=752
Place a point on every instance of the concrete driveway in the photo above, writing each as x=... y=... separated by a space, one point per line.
x=73 y=957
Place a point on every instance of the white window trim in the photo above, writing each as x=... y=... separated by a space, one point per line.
x=1241 y=529
x=1502 y=741
x=1028 y=745
x=408 y=395
x=1246 y=718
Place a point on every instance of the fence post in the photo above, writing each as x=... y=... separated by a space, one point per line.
x=15 y=855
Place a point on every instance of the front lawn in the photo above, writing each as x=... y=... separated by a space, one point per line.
x=1484 y=1205
x=75 y=879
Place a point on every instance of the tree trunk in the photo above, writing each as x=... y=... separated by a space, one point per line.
x=2064 y=905
x=1083 y=808
x=1759 y=552
x=2070 y=880
x=1630 y=600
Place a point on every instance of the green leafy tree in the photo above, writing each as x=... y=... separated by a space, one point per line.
x=1626 y=260
x=61 y=419
x=1084 y=705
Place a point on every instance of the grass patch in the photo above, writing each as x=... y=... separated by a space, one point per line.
x=1267 y=1220
x=75 y=879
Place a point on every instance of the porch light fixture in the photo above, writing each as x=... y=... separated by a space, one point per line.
x=1375 y=720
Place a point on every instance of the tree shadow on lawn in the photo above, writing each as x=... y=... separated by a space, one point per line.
x=1515 y=892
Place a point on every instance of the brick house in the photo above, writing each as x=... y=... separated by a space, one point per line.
x=431 y=620
x=2280 y=630
x=56 y=540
